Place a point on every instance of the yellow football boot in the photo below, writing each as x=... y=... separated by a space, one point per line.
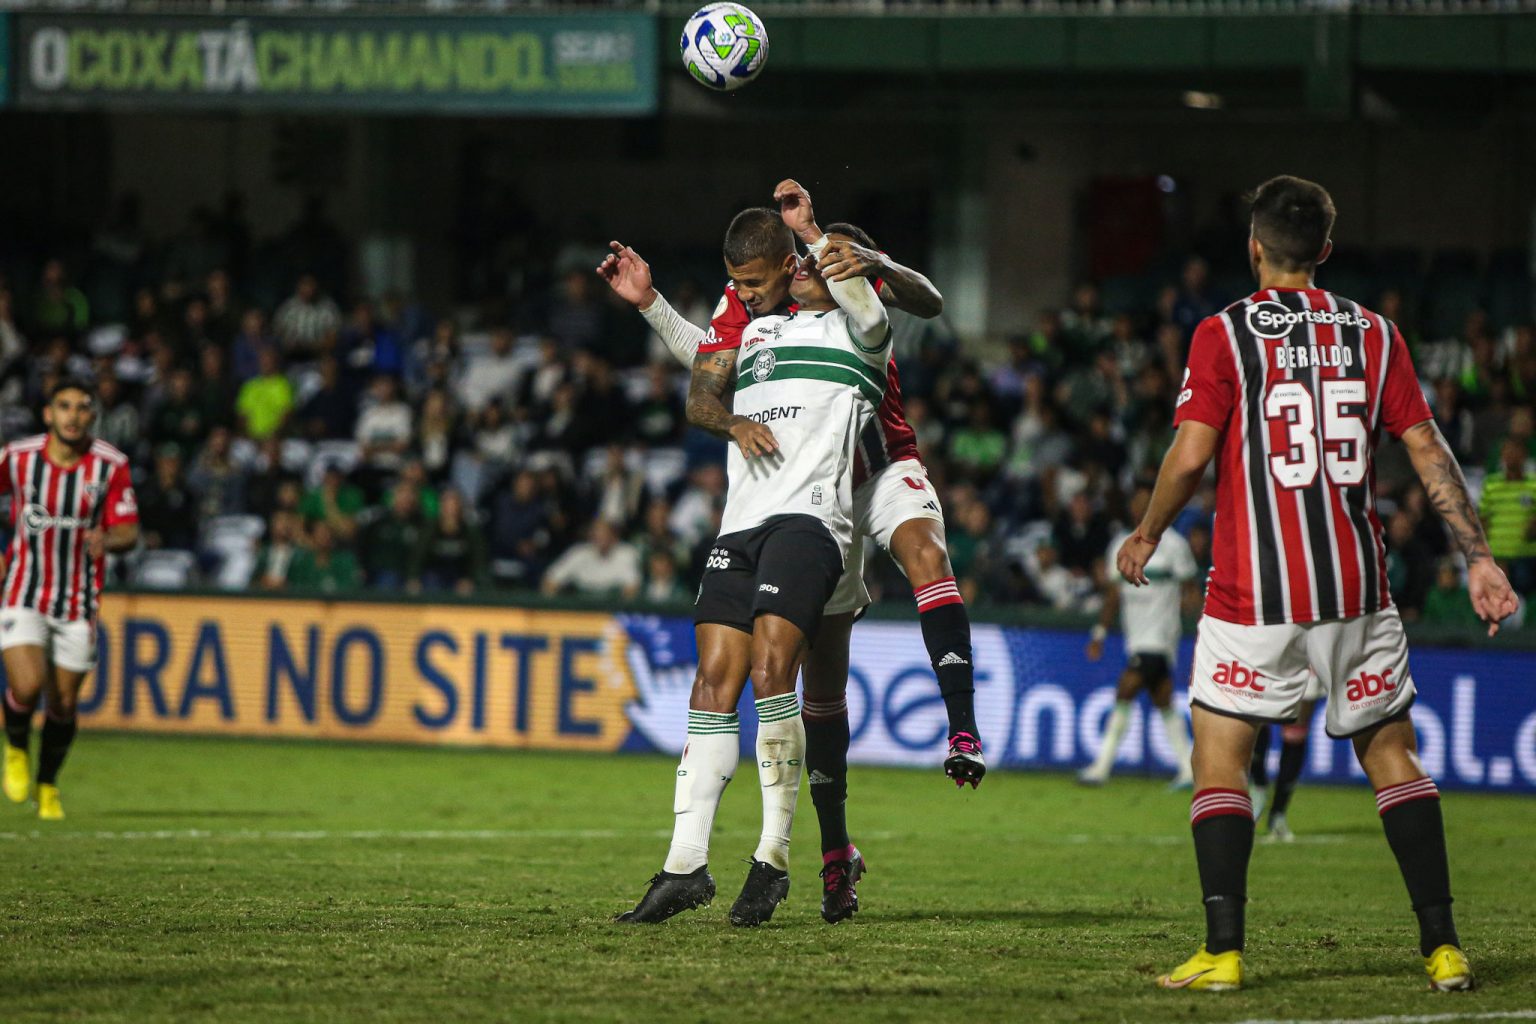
x=18 y=777
x=1206 y=972
x=1449 y=971
x=49 y=806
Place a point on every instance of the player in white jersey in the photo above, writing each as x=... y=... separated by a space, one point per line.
x=805 y=386
x=1151 y=618
x=894 y=506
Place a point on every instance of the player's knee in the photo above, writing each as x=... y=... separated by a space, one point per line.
x=711 y=692
x=1296 y=732
x=927 y=561
x=773 y=672
x=62 y=707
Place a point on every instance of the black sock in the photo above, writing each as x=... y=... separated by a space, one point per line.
x=1223 y=846
x=947 y=634
x=18 y=723
x=1258 y=767
x=826 y=765
x=1416 y=833
x=57 y=736
x=1293 y=757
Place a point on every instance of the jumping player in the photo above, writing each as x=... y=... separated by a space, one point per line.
x=805 y=386
x=1289 y=390
x=72 y=504
x=894 y=505
x=1151 y=620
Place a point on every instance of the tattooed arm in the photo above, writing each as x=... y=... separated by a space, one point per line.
x=712 y=372
x=1492 y=597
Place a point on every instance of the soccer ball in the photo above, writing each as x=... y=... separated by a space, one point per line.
x=724 y=46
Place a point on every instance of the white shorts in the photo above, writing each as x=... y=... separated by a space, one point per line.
x=69 y=645
x=898 y=493
x=1260 y=672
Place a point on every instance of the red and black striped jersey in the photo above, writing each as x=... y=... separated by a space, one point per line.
x=48 y=567
x=1300 y=383
x=888 y=438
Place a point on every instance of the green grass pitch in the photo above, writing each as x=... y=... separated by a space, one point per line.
x=229 y=880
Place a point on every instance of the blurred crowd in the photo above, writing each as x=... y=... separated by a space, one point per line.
x=320 y=442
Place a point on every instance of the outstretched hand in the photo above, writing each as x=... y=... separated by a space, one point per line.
x=628 y=275
x=1493 y=598
x=795 y=207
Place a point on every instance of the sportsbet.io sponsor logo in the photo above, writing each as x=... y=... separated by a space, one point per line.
x=1270 y=319
x=762 y=366
x=37 y=520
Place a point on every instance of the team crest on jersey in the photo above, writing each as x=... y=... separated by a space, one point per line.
x=762 y=366
x=93 y=491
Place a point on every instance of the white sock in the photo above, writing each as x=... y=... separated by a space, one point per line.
x=1178 y=738
x=709 y=762
x=780 y=754
x=1114 y=732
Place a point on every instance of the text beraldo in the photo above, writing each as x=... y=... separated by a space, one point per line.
x=1237 y=676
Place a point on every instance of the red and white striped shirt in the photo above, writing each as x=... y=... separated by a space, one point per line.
x=888 y=438
x=1300 y=383
x=48 y=567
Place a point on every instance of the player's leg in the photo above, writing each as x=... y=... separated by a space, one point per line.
x=1409 y=804
x=1362 y=664
x=825 y=679
x=1097 y=773
x=62 y=693
x=797 y=571
x=1160 y=691
x=708 y=764
x=1258 y=772
x=778 y=648
x=723 y=634
x=1293 y=758
x=1243 y=678
x=23 y=644
x=919 y=547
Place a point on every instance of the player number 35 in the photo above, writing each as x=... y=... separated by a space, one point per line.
x=1343 y=437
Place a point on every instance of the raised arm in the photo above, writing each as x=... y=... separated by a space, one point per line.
x=1194 y=445
x=854 y=294
x=901 y=287
x=630 y=278
x=1492 y=597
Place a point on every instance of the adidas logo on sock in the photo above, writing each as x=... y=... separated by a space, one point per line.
x=820 y=778
x=952 y=659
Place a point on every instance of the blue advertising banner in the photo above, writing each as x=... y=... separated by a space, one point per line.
x=1042 y=704
x=524 y=678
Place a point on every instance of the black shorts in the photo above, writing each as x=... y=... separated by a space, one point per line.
x=787 y=567
x=1153 y=668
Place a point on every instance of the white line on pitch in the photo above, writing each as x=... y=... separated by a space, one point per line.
x=1411 y=1018
x=304 y=835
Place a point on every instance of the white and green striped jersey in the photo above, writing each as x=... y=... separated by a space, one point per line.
x=815 y=380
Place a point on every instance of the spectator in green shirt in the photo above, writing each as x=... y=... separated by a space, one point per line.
x=978 y=448
x=323 y=566
x=265 y=401
x=390 y=540
x=1508 y=510
x=336 y=502
x=1447 y=603
x=61 y=308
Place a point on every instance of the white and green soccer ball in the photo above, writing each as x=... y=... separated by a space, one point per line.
x=724 y=46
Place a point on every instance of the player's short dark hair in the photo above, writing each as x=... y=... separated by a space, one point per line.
x=71 y=384
x=1292 y=218
x=854 y=232
x=758 y=233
